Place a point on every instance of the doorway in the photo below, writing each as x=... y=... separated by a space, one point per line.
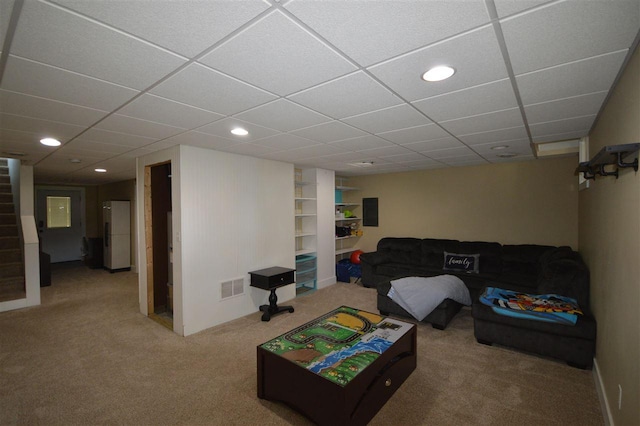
x=60 y=219
x=159 y=239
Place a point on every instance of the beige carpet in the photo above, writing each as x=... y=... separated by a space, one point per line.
x=87 y=356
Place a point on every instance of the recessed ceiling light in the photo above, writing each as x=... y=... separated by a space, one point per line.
x=239 y=131
x=101 y=170
x=75 y=160
x=50 y=142
x=438 y=73
x=497 y=147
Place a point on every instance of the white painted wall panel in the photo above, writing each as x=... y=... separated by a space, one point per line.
x=236 y=218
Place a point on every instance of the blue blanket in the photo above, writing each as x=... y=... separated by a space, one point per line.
x=539 y=307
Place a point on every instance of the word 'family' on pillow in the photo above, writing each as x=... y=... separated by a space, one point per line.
x=469 y=263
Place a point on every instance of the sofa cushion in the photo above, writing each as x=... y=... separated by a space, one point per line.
x=433 y=250
x=401 y=250
x=563 y=272
x=490 y=255
x=520 y=264
x=585 y=327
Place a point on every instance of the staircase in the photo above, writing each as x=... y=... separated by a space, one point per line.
x=11 y=260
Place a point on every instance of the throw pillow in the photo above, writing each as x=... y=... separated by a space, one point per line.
x=456 y=262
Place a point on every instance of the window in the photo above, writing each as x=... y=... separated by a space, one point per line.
x=58 y=212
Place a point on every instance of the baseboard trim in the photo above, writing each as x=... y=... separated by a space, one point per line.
x=602 y=395
x=326 y=282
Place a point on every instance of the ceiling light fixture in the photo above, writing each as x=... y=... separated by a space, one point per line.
x=101 y=170
x=239 y=131
x=50 y=142
x=75 y=160
x=438 y=73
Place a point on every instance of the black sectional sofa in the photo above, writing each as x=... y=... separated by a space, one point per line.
x=527 y=268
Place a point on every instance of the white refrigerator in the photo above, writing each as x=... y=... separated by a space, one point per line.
x=117 y=235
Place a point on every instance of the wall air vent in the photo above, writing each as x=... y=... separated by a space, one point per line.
x=231 y=288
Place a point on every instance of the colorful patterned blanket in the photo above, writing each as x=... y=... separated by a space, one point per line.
x=539 y=307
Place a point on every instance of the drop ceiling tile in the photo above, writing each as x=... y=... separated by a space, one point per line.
x=87 y=145
x=433 y=145
x=285 y=141
x=41 y=80
x=202 y=140
x=133 y=126
x=388 y=119
x=520 y=147
x=461 y=151
x=574 y=79
x=115 y=138
x=494 y=96
x=509 y=7
x=36 y=107
x=222 y=128
x=514 y=133
x=90 y=49
x=283 y=115
x=43 y=128
x=371 y=32
x=384 y=151
x=403 y=158
x=248 y=149
x=568 y=31
x=305 y=153
x=467 y=160
x=329 y=132
x=351 y=95
x=168 y=112
x=204 y=88
x=267 y=45
x=565 y=108
x=475 y=56
x=362 y=142
x=415 y=134
x=185 y=27
x=484 y=122
x=561 y=136
x=562 y=126
x=85 y=156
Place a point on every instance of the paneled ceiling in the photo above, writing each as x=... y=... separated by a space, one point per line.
x=331 y=84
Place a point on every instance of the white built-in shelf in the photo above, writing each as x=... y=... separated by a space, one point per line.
x=305 y=234
x=346 y=250
x=305 y=251
x=348 y=219
x=347 y=204
x=347 y=237
x=302 y=183
x=346 y=188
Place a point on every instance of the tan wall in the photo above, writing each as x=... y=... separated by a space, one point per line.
x=610 y=244
x=533 y=202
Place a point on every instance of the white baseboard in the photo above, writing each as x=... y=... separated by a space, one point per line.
x=602 y=396
x=326 y=282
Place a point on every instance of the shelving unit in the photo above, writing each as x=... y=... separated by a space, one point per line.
x=609 y=155
x=305 y=230
x=347 y=244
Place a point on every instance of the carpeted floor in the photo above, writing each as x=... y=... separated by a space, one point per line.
x=87 y=356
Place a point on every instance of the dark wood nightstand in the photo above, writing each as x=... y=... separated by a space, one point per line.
x=270 y=279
